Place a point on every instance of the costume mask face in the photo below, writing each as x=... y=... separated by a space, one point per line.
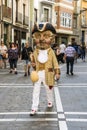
x=43 y=37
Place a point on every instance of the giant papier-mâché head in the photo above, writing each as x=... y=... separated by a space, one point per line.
x=43 y=35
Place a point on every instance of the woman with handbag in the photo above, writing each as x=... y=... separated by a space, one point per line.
x=27 y=50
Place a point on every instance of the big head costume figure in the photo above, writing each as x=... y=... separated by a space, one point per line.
x=44 y=62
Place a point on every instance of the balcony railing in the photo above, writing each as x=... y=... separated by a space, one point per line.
x=25 y=20
x=84 y=24
x=19 y=18
x=6 y=12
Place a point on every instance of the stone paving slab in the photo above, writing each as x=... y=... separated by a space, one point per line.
x=19 y=99
x=29 y=126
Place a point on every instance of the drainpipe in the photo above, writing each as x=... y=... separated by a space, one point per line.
x=12 y=24
x=1 y=20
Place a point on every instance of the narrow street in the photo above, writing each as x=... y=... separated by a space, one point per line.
x=70 y=106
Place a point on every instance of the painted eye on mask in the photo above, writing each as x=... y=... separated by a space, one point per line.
x=43 y=35
x=37 y=36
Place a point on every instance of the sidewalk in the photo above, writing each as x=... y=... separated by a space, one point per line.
x=70 y=107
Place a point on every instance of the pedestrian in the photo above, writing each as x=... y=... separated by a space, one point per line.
x=13 y=57
x=17 y=48
x=26 y=52
x=3 y=54
x=74 y=44
x=56 y=51
x=0 y=58
x=79 y=51
x=70 y=53
x=44 y=62
x=83 y=52
x=58 y=55
x=62 y=51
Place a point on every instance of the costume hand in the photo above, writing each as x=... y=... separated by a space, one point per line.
x=57 y=76
x=33 y=64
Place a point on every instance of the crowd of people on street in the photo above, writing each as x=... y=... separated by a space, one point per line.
x=44 y=60
x=69 y=54
x=11 y=54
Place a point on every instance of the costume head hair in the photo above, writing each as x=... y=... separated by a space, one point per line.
x=43 y=35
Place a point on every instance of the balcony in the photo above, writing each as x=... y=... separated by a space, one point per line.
x=50 y=2
x=18 y=18
x=84 y=24
x=7 y=12
x=25 y=20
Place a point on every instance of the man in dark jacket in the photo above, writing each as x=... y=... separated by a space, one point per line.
x=27 y=50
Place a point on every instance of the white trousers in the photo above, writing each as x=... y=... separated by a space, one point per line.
x=36 y=91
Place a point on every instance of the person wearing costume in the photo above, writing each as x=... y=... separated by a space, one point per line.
x=44 y=62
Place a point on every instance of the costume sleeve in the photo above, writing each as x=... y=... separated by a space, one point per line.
x=33 y=59
x=55 y=64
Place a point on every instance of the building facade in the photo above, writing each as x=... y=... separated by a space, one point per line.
x=14 y=21
x=18 y=16
x=83 y=19
x=64 y=20
x=80 y=21
x=44 y=11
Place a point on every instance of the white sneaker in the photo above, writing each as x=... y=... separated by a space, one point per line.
x=33 y=112
x=50 y=104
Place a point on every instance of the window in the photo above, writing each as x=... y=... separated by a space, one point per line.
x=16 y=10
x=74 y=22
x=7 y=3
x=35 y=15
x=23 y=13
x=46 y=15
x=66 y=20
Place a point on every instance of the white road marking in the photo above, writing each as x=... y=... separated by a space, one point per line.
x=16 y=85
x=76 y=120
x=73 y=85
x=24 y=113
x=76 y=113
x=27 y=119
x=62 y=124
x=61 y=117
x=31 y=84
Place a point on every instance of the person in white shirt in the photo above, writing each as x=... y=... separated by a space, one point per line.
x=3 y=51
x=0 y=58
x=62 y=51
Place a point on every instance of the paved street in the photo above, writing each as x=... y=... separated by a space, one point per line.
x=70 y=106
